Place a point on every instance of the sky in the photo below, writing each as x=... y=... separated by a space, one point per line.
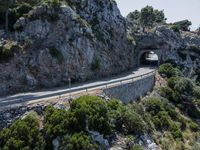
x=175 y=10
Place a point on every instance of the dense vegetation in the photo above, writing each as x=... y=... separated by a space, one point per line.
x=182 y=91
x=148 y=17
x=170 y=118
x=153 y=116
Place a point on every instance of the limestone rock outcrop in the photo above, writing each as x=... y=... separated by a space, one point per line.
x=83 y=40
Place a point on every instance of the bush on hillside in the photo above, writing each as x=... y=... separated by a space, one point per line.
x=56 y=122
x=197 y=102
x=181 y=85
x=171 y=82
x=170 y=94
x=168 y=70
x=175 y=130
x=115 y=109
x=55 y=3
x=184 y=85
x=193 y=126
x=94 y=112
x=175 y=28
x=154 y=106
x=132 y=121
x=23 y=134
x=196 y=91
x=78 y=141
x=161 y=120
x=137 y=147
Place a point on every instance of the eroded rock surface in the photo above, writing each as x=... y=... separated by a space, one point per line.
x=83 y=40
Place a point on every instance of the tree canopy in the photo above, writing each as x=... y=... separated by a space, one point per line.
x=148 y=17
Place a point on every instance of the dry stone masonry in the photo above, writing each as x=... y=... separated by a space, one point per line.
x=132 y=91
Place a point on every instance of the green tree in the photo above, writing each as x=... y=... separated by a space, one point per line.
x=159 y=16
x=92 y=110
x=147 y=17
x=131 y=121
x=154 y=106
x=23 y=134
x=78 y=141
x=169 y=70
x=55 y=121
x=134 y=16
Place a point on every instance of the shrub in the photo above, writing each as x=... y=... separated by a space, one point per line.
x=184 y=85
x=55 y=3
x=5 y=54
x=137 y=147
x=115 y=109
x=114 y=104
x=170 y=108
x=164 y=119
x=196 y=91
x=93 y=110
x=132 y=121
x=172 y=82
x=154 y=106
x=168 y=70
x=181 y=85
x=171 y=61
x=78 y=141
x=182 y=121
x=161 y=120
x=175 y=130
x=175 y=28
x=170 y=94
x=55 y=122
x=193 y=126
x=197 y=102
x=23 y=134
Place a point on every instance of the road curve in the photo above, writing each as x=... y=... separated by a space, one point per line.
x=50 y=93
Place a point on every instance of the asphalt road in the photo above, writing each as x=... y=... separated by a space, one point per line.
x=50 y=93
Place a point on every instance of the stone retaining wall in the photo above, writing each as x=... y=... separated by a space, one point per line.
x=131 y=91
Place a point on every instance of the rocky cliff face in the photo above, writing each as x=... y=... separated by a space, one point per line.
x=182 y=48
x=81 y=40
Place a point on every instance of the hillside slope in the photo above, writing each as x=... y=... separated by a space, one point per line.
x=49 y=44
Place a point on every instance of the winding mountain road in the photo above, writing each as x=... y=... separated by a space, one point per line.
x=53 y=93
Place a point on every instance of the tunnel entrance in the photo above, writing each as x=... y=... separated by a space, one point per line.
x=149 y=58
